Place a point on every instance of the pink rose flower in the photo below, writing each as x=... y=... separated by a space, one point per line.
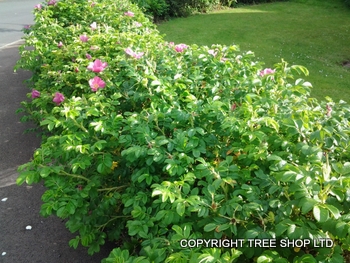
x=180 y=47
x=266 y=71
x=52 y=2
x=84 y=38
x=97 y=66
x=35 y=94
x=38 y=6
x=88 y=56
x=60 y=44
x=93 y=26
x=96 y=83
x=58 y=98
x=129 y=13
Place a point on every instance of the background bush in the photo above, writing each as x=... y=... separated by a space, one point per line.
x=180 y=142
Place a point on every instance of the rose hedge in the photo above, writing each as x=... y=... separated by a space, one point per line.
x=146 y=143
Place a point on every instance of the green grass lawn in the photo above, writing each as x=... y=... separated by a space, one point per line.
x=315 y=35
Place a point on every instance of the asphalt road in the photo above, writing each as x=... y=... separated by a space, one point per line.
x=47 y=240
x=14 y=15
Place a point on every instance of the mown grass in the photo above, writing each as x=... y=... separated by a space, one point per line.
x=315 y=34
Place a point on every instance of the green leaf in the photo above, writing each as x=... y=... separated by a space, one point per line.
x=74 y=242
x=44 y=172
x=321 y=214
x=307 y=204
x=210 y=227
x=180 y=208
x=334 y=211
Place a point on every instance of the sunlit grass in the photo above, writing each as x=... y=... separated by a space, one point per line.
x=315 y=36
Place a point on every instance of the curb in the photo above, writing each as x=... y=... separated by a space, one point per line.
x=10 y=44
x=8 y=177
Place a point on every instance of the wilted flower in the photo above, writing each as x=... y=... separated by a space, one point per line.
x=93 y=4
x=234 y=106
x=76 y=69
x=266 y=71
x=84 y=38
x=93 y=26
x=97 y=66
x=96 y=83
x=35 y=94
x=180 y=47
x=58 y=98
x=133 y=54
x=26 y=27
x=129 y=13
x=94 y=48
x=88 y=56
x=171 y=44
x=329 y=110
x=60 y=44
x=52 y=2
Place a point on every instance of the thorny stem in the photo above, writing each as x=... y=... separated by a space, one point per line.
x=112 y=188
x=75 y=176
x=110 y=220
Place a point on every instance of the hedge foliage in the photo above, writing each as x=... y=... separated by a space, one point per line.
x=151 y=144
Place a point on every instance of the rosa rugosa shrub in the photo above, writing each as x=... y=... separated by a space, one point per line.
x=151 y=144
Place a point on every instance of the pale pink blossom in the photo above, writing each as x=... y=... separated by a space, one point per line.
x=88 y=56
x=129 y=13
x=129 y=51
x=137 y=24
x=94 y=48
x=133 y=54
x=27 y=26
x=35 y=94
x=60 y=44
x=180 y=47
x=84 y=38
x=96 y=83
x=93 y=26
x=212 y=52
x=58 y=98
x=266 y=71
x=97 y=66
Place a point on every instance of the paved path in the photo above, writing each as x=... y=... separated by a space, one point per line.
x=47 y=241
x=14 y=15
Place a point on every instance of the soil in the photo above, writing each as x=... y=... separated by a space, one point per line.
x=346 y=64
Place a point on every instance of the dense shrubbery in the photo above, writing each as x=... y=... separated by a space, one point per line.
x=149 y=143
